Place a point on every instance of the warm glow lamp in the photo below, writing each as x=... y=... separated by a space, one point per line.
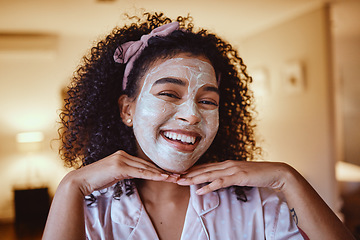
x=28 y=137
x=29 y=141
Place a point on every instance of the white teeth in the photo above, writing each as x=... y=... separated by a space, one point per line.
x=180 y=137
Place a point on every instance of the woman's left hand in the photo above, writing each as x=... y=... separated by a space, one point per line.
x=315 y=218
x=239 y=173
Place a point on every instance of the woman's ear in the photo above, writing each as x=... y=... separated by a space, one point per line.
x=126 y=109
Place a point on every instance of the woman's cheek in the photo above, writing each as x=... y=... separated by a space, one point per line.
x=211 y=121
x=152 y=110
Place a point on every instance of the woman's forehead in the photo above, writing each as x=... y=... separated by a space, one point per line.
x=183 y=67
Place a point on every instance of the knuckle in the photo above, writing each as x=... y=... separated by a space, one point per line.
x=146 y=167
x=236 y=169
x=190 y=180
x=208 y=188
x=120 y=152
x=219 y=182
x=245 y=175
x=118 y=163
x=228 y=163
x=207 y=176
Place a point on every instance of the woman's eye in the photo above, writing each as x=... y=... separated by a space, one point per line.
x=167 y=94
x=207 y=102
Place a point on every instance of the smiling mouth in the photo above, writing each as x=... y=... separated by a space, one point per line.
x=181 y=138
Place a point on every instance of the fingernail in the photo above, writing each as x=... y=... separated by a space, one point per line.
x=165 y=175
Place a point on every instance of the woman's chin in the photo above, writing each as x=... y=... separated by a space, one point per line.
x=175 y=169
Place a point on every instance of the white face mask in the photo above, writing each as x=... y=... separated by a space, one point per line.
x=176 y=115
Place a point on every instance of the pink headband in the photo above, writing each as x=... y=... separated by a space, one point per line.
x=130 y=51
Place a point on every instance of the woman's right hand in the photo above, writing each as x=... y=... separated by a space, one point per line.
x=66 y=216
x=109 y=170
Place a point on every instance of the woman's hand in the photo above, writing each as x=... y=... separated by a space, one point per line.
x=240 y=173
x=107 y=171
x=314 y=217
x=66 y=216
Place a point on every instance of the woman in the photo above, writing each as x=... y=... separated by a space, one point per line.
x=160 y=118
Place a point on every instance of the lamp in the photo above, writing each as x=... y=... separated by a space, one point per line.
x=29 y=141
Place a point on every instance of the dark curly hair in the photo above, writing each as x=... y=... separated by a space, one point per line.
x=91 y=125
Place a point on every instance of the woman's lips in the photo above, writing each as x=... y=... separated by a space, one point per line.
x=182 y=140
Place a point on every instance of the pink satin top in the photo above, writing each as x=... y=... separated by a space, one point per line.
x=216 y=215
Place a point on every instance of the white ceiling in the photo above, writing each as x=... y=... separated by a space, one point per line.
x=233 y=18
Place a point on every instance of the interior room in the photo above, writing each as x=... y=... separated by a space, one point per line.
x=303 y=55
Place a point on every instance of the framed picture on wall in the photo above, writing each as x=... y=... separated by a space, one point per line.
x=293 y=77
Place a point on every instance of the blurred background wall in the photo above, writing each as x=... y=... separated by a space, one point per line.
x=297 y=125
x=304 y=56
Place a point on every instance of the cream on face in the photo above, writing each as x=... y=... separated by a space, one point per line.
x=176 y=115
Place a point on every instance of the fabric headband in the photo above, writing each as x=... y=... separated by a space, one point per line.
x=130 y=51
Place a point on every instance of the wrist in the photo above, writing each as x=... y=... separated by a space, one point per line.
x=71 y=184
x=291 y=179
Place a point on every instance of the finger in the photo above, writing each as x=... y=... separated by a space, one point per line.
x=122 y=168
x=100 y=175
x=125 y=155
x=130 y=160
x=208 y=168
x=194 y=172
x=144 y=173
x=171 y=179
x=205 y=177
x=205 y=165
x=214 y=171
x=216 y=185
x=141 y=165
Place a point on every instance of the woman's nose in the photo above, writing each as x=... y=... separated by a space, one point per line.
x=192 y=119
x=189 y=113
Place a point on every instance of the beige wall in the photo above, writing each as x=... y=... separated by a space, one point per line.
x=347 y=72
x=31 y=81
x=297 y=128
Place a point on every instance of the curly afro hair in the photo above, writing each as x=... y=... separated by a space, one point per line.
x=91 y=125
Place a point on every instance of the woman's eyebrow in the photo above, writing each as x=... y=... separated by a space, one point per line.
x=170 y=80
x=211 y=89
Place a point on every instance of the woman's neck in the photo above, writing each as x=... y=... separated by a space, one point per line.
x=166 y=204
x=157 y=192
